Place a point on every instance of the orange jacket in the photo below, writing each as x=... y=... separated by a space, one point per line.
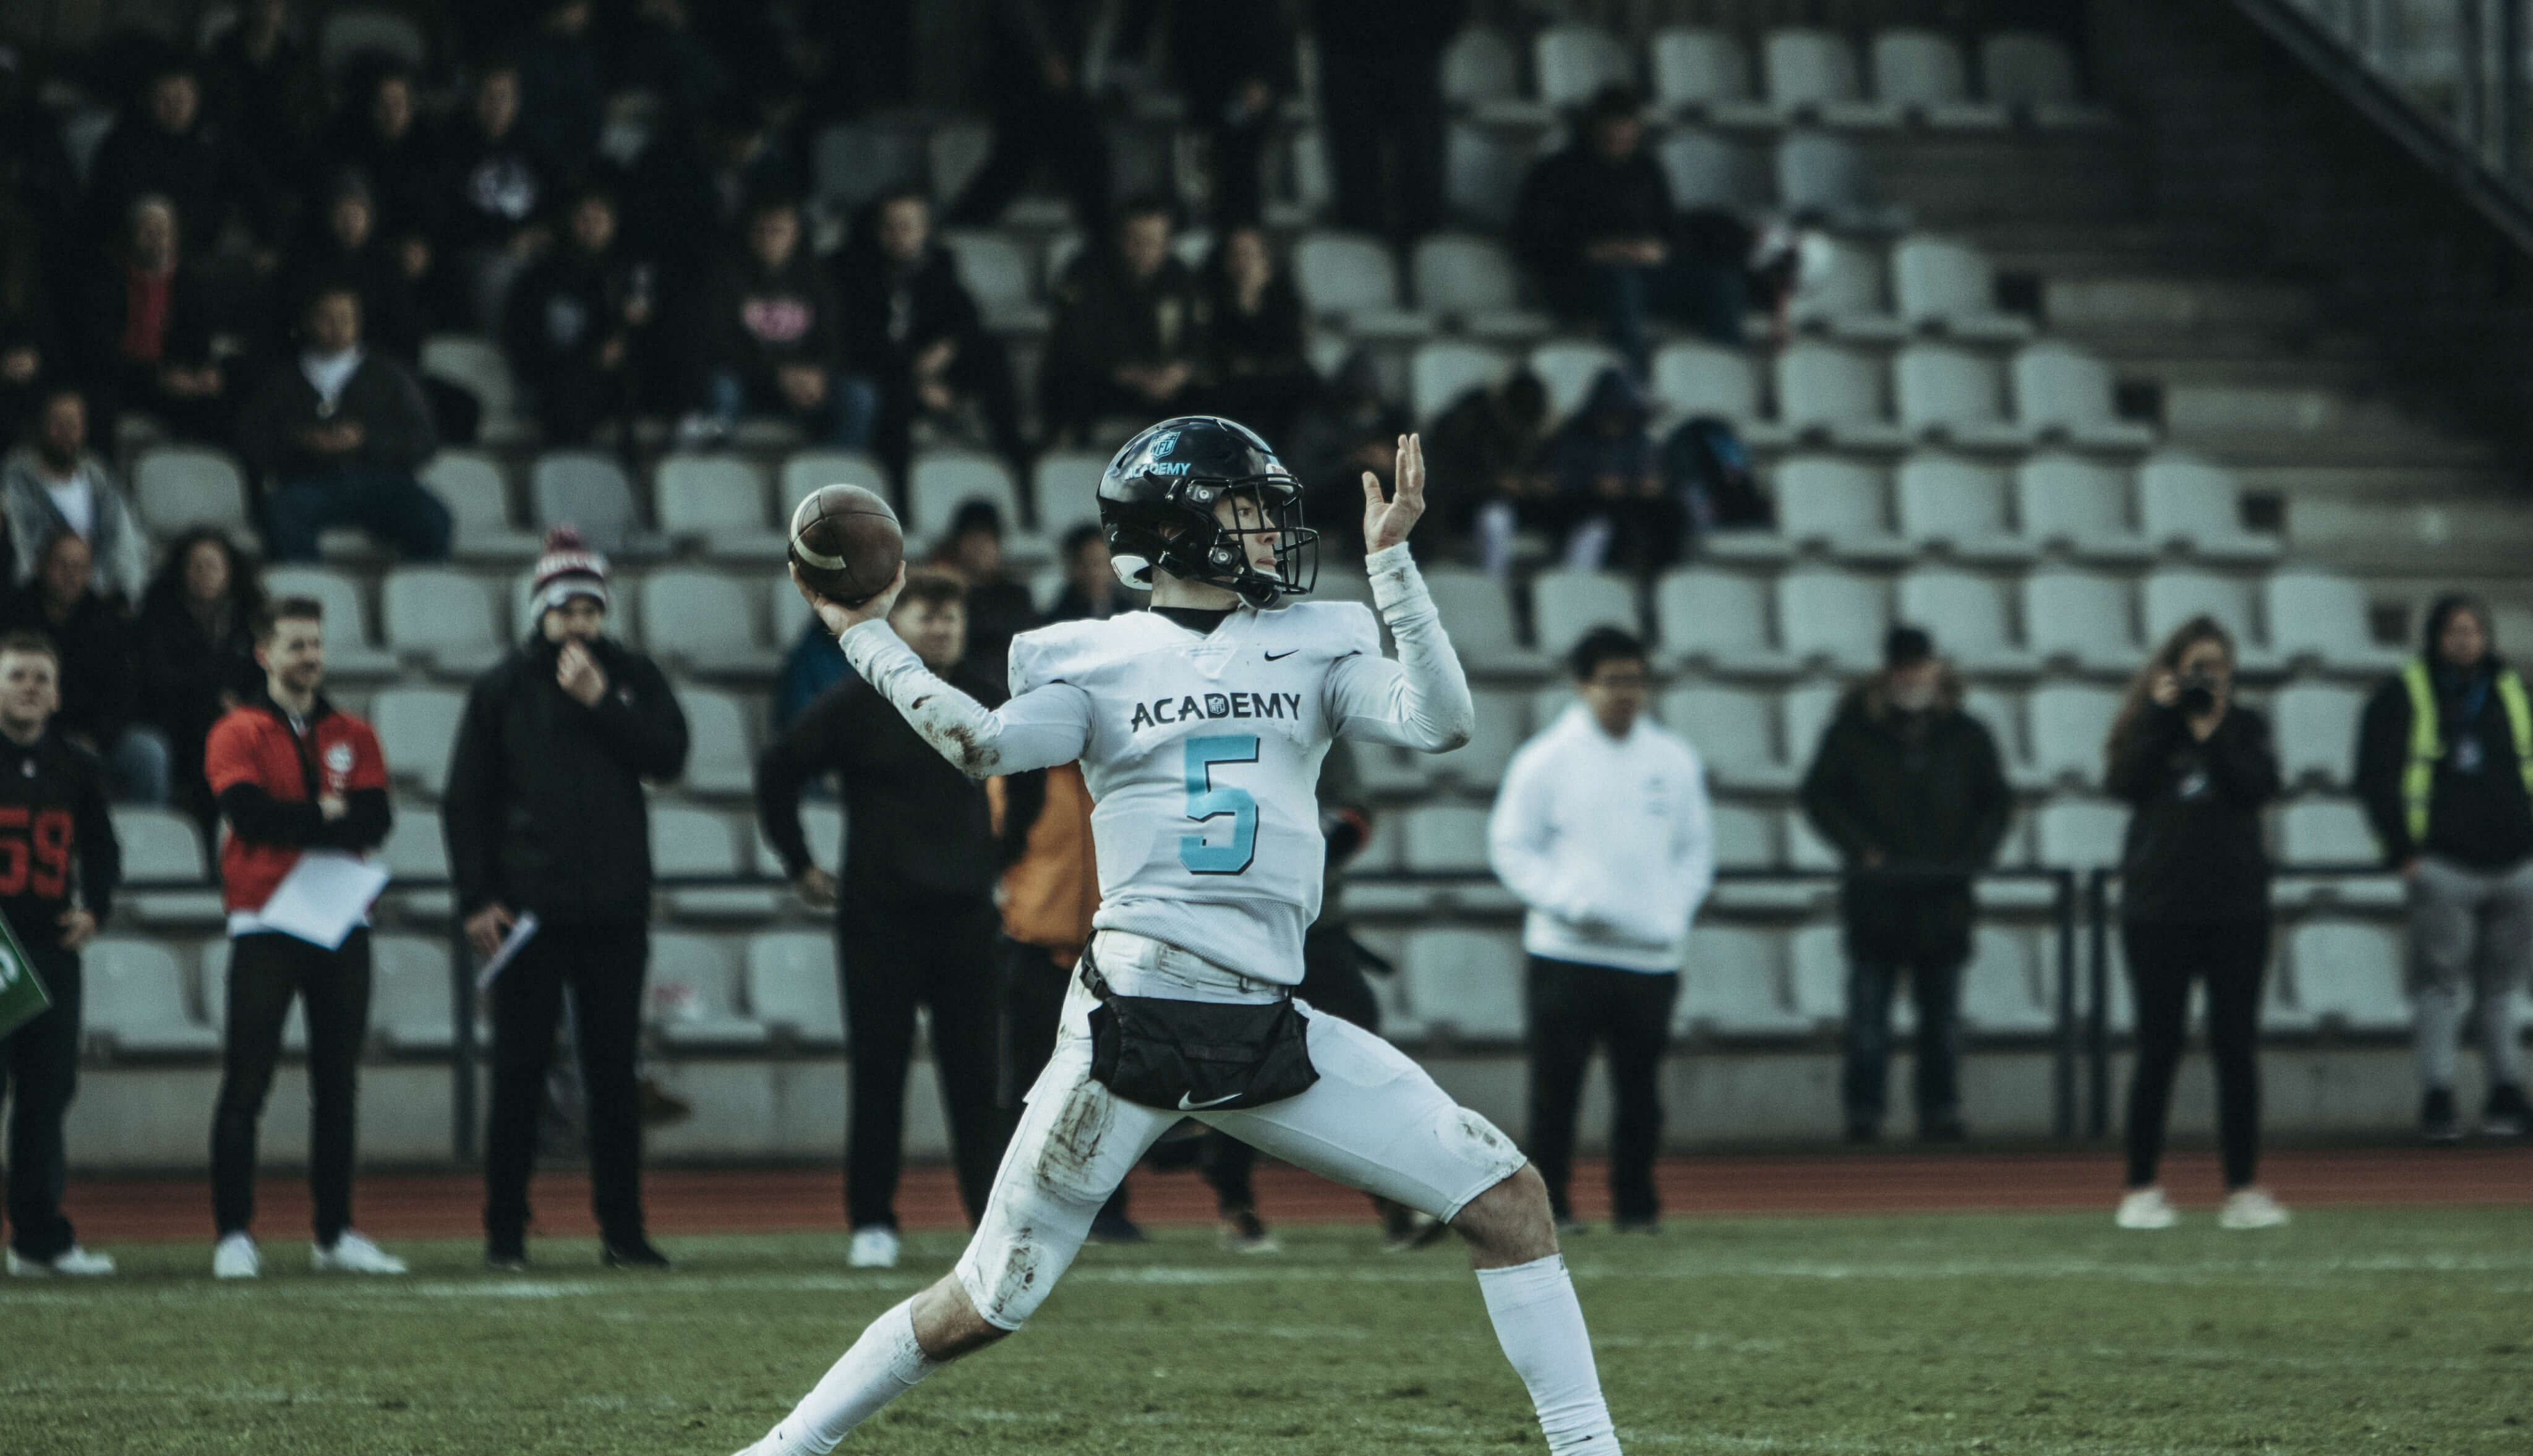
x=1050 y=891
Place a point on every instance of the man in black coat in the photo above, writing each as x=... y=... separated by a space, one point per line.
x=544 y=816
x=1380 y=104
x=575 y=321
x=915 y=922
x=1130 y=329
x=1904 y=780
x=913 y=329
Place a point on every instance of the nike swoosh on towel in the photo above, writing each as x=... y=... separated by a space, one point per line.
x=1186 y=1106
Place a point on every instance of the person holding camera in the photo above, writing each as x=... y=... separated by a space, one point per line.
x=2196 y=768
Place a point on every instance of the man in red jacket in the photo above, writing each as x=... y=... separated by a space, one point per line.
x=291 y=775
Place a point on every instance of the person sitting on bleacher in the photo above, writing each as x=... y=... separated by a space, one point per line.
x=773 y=338
x=998 y=605
x=376 y=134
x=1261 y=373
x=1130 y=328
x=914 y=328
x=1607 y=493
x=575 y=321
x=93 y=642
x=145 y=326
x=1487 y=445
x=54 y=482
x=338 y=432
x=492 y=184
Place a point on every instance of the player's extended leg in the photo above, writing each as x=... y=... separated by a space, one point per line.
x=1376 y=1121
x=1074 y=1143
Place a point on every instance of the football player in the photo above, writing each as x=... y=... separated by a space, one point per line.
x=1199 y=726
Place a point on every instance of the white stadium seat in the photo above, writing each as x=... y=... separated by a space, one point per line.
x=1734 y=984
x=1836 y=501
x=941 y=481
x=1709 y=170
x=177 y=487
x=1700 y=378
x=1472 y=278
x=693 y=994
x=1945 y=284
x=1833 y=390
x=1570 y=62
x=1847 y=296
x=1808 y=71
x=2317 y=732
x=1483 y=168
x=1478 y=66
x=1734 y=732
x=1967 y=616
x=2001 y=987
x=721 y=758
x=2070 y=729
x=1566 y=604
x=793 y=985
x=416 y=850
x=1744 y=837
x=1067 y=485
x=1960 y=505
x=587 y=491
x=444 y=616
x=1947 y=392
x=2189 y=502
x=1832 y=616
x=1700 y=70
x=2325 y=831
x=1921 y=72
x=718 y=501
x=705 y=622
x=1569 y=367
x=690 y=840
x=1819 y=172
x=2174 y=595
x=1444 y=371
x=999 y=271
x=2062 y=391
x=1808 y=710
x=2351 y=973
x=477 y=365
x=134 y=1000
x=2034 y=72
x=2079 y=832
x=2081 y=617
x=412 y=1000
x=2079 y=504
x=348 y=650
x=1352 y=276
x=806 y=472
x=1818 y=962
x=477 y=493
x=1466 y=984
x=417 y=726
x=1717 y=618
x=1498 y=732
x=2321 y=617
x=1476 y=611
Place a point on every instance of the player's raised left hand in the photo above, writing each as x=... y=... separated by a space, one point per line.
x=1385 y=523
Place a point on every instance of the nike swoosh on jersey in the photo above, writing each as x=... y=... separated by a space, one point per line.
x=1277 y=656
x=1186 y=1106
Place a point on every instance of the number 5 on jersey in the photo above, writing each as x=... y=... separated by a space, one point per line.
x=1208 y=801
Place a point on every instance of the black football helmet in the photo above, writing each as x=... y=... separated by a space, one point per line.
x=1157 y=501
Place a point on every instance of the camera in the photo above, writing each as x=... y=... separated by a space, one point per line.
x=2198 y=694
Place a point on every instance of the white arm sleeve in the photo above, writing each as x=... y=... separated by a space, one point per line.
x=1039 y=729
x=1419 y=701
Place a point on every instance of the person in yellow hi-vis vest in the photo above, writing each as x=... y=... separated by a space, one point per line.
x=2445 y=766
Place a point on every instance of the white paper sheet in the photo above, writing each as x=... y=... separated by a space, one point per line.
x=521 y=929
x=324 y=896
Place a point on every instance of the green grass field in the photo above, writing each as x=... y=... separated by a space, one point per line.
x=2349 y=1331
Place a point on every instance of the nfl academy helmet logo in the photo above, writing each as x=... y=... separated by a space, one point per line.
x=1164 y=442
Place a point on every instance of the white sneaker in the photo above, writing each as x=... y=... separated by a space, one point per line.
x=2249 y=1208
x=74 y=1261
x=874 y=1248
x=353 y=1253
x=2145 y=1208
x=236 y=1259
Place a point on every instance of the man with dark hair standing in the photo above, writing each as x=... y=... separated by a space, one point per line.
x=1602 y=828
x=915 y=914
x=292 y=774
x=2444 y=767
x=1907 y=781
x=59 y=864
x=545 y=815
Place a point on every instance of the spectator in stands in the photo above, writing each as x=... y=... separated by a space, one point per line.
x=1233 y=61
x=377 y=136
x=2196 y=767
x=491 y=183
x=691 y=188
x=163 y=146
x=1091 y=585
x=1707 y=469
x=576 y=322
x=809 y=668
x=912 y=327
x=914 y=910
x=1380 y=108
x=1037 y=52
x=197 y=632
x=1130 y=328
x=1258 y=373
x=1909 y=790
x=2444 y=767
x=54 y=788
x=1051 y=887
x=56 y=484
x=1348 y=427
x=340 y=432
x=346 y=247
x=146 y=329
x=774 y=339
x=1602 y=829
x=546 y=817
x=292 y=773
x=1594 y=224
x=561 y=101
x=263 y=90
x=1609 y=498
x=1486 y=451
x=996 y=607
x=93 y=639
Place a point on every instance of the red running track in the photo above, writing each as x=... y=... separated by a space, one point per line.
x=421 y=1206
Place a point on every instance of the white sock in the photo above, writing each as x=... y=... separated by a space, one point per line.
x=1540 y=1324
x=883 y=1364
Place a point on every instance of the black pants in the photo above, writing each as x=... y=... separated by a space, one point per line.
x=39 y=1072
x=2233 y=956
x=982 y=372
x=1332 y=981
x=1935 y=989
x=1572 y=1006
x=265 y=972
x=1062 y=128
x=898 y=954
x=602 y=963
x=1383 y=121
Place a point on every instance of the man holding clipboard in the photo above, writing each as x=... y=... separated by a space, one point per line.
x=304 y=789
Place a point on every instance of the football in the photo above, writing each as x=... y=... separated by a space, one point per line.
x=846 y=544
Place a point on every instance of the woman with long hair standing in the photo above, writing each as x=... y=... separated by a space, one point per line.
x=2196 y=768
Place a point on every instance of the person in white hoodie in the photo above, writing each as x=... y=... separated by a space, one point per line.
x=1602 y=828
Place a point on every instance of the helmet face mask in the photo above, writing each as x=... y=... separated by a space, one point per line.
x=1181 y=498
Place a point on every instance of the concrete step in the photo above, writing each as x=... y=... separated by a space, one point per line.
x=2174 y=304
x=2296 y=421
x=2414 y=483
x=2389 y=537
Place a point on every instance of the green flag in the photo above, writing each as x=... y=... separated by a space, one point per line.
x=22 y=996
